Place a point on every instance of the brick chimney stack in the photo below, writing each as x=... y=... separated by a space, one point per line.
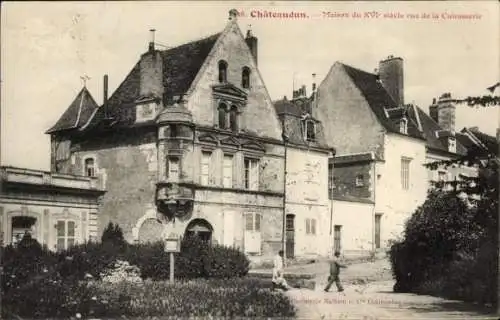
x=446 y=112
x=391 y=75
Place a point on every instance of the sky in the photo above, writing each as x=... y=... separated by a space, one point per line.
x=47 y=46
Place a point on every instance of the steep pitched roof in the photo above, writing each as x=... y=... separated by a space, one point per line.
x=429 y=128
x=181 y=64
x=78 y=112
x=378 y=98
x=484 y=142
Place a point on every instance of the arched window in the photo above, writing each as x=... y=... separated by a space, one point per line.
x=245 y=78
x=89 y=167
x=222 y=116
x=233 y=119
x=222 y=71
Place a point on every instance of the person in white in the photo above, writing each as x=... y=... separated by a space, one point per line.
x=278 y=272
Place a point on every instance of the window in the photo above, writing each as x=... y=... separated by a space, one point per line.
x=251 y=178
x=337 y=237
x=245 y=78
x=90 y=167
x=452 y=144
x=360 y=180
x=403 y=126
x=222 y=71
x=173 y=169
x=222 y=116
x=310 y=131
x=331 y=181
x=311 y=226
x=227 y=172
x=173 y=131
x=65 y=234
x=378 y=220
x=290 y=222
x=205 y=167
x=233 y=119
x=252 y=222
x=405 y=173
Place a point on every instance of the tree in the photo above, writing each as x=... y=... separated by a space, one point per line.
x=113 y=234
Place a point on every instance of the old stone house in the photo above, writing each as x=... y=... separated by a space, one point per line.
x=380 y=148
x=190 y=143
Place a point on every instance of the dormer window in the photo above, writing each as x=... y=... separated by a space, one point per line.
x=309 y=127
x=146 y=111
x=452 y=144
x=245 y=78
x=233 y=119
x=222 y=116
x=90 y=167
x=222 y=71
x=403 y=126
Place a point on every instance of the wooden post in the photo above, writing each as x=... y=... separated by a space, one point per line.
x=172 y=257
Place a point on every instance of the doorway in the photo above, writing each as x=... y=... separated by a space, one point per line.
x=290 y=236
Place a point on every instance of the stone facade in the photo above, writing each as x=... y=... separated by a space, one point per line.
x=199 y=156
x=57 y=210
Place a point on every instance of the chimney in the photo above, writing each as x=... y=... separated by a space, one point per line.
x=105 y=90
x=314 y=83
x=151 y=71
x=303 y=91
x=392 y=77
x=446 y=112
x=252 y=43
x=152 y=41
x=433 y=110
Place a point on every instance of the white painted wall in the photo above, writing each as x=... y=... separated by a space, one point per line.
x=307 y=198
x=356 y=219
x=395 y=203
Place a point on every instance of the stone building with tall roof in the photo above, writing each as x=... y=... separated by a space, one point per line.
x=190 y=143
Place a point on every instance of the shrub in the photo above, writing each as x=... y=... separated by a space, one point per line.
x=113 y=234
x=228 y=298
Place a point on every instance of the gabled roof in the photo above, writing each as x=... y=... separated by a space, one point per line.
x=378 y=98
x=479 y=142
x=181 y=64
x=78 y=112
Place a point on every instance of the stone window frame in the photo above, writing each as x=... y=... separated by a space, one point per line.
x=66 y=236
x=204 y=150
x=232 y=154
x=306 y=123
x=168 y=166
x=95 y=166
x=226 y=108
x=222 y=65
x=406 y=173
x=254 y=216
x=252 y=159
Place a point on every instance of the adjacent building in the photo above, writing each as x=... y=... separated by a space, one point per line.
x=58 y=210
x=190 y=144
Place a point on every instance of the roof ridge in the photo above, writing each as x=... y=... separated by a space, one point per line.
x=191 y=42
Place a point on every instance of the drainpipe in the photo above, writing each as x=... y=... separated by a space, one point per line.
x=283 y=237
x=330 y=199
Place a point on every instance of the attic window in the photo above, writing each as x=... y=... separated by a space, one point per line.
x=89 y=167
x=403 y=126
x=222 y=71
x=452 y=144
x=309 y=127
x=245 y=78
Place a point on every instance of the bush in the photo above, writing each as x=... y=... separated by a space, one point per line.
x=446 y=250
x=228 y=298
x=113 y=234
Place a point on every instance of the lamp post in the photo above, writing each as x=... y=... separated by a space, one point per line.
x=283 y=237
